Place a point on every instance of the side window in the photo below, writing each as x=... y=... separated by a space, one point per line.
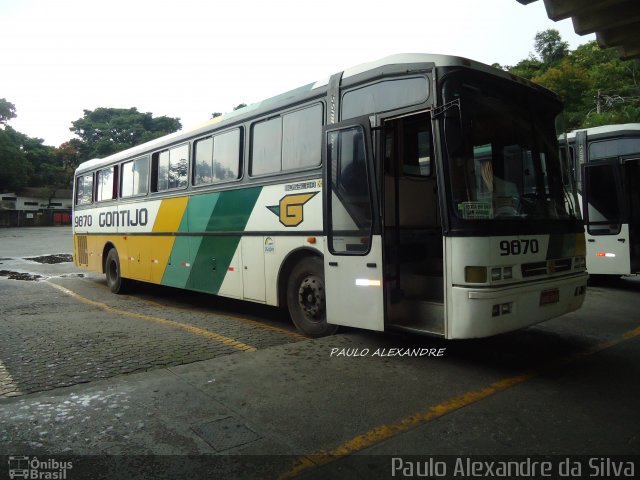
x=84 y=189
x=289 y=142
x=301 y=138
x=350 y=217
x=106 y=184
x=135 y=177
x=418 y=148
x=613 y=148
x=266 y=150
x=170 y=168
x=217 y=159
x=604 y=209
x=384 y=96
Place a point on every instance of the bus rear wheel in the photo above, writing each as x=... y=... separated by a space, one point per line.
x=115 y=282
x=306 y=298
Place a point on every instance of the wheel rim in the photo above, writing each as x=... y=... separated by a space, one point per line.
x=311 y=297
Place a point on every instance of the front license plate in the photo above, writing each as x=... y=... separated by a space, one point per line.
x=549 y=296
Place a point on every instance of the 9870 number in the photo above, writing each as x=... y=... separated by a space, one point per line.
x=83 y=220
x=518 y=247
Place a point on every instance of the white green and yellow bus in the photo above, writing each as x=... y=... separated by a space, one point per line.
x=607 y=166
x=418 y=192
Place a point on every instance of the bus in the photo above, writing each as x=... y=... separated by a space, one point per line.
x=606 y=161
x=418 y=192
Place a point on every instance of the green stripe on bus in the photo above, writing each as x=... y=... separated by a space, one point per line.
x=231 y=213
x=201 y=263
x=176 y=272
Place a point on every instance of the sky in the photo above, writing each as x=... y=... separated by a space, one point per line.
x=190 y=58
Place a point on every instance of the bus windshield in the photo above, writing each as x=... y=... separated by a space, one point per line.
x=508 y=166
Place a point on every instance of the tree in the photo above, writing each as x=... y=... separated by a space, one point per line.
x=624 y=114
x=570 y=81
x=68 y=157
x=550 y=47
x=528 y=68
x=7 y=111
x=15 y=170
x=597 y=87
x=109 y=130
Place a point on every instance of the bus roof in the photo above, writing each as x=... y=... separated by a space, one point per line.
x=407 y=62
x=606 y=129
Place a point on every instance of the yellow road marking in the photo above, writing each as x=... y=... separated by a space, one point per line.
x=8 y=387
x=163 y=321
x=233 y=318
x=384 y=432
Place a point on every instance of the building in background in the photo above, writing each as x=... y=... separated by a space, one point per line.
x=31 y=207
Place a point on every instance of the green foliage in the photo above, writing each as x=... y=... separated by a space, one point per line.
x=625 y=114
x=14 y=168
x=596 y=86
x=7 y=111
x=550 y=47
x=109 y=130
x=570 y=81
x=528 y=68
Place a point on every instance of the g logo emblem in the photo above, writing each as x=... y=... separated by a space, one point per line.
x=290 y=209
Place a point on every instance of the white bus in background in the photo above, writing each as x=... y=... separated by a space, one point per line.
x=417 y=192
x=607 y=168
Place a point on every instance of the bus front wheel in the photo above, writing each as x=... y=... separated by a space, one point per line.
x=115 y=282
x=306 y=298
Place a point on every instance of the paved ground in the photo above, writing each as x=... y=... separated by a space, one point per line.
x=166 y=373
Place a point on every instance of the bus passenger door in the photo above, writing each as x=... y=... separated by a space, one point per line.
x=631 y=177
x=353 y=250
x=604 y=216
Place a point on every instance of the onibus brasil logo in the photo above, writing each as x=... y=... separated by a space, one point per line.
x=33 y=468
x=290 y=209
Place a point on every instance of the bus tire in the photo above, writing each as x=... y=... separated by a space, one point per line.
x=306 y=298
x=115 y=282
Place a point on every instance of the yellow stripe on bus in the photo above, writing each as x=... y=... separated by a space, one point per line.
x=170 y=214
x=168 y=220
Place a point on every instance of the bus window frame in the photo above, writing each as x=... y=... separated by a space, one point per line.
x=115 y=186
x=92 y=174
x=241 y=154
x=614 y=164
x=391 y=79
x=364 y=123
x=281 y=115
x=153 y=169
x=121 y=179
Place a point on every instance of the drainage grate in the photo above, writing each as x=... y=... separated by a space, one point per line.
x=226 y=433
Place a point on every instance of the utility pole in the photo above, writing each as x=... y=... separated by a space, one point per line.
x=598 y=102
